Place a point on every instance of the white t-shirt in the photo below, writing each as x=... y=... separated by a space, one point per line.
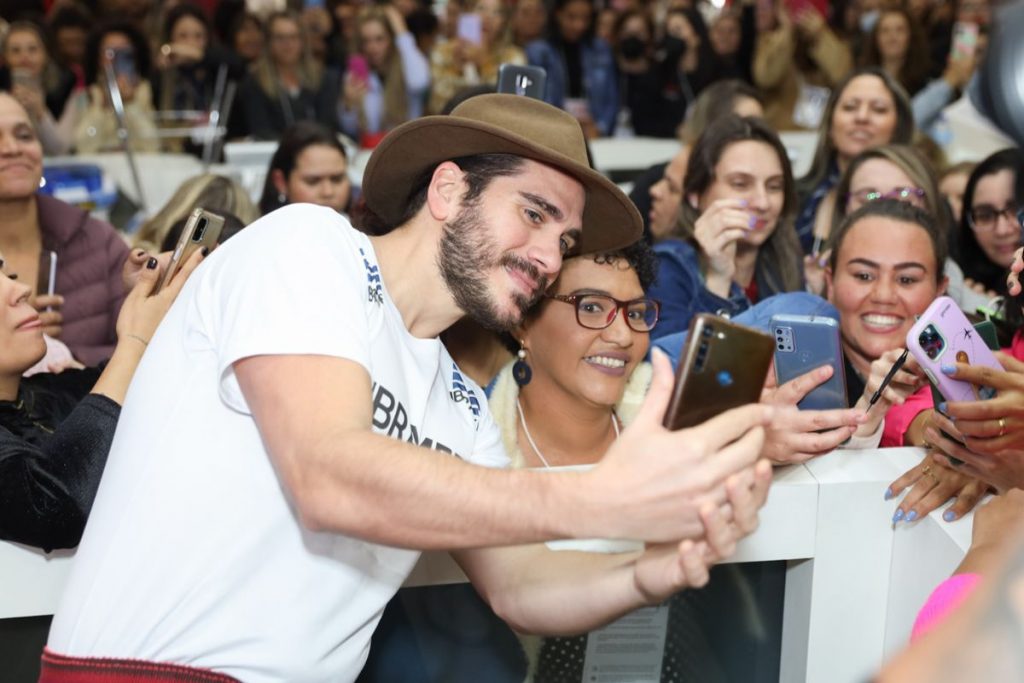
x=193 y=553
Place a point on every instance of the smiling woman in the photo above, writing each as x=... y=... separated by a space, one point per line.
x=89 y=252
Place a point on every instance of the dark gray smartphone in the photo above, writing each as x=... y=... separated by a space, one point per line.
x=804 y=343
x=515 y=79
x=723 y=366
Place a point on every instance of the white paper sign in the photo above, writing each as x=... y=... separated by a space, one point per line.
x=629 y=650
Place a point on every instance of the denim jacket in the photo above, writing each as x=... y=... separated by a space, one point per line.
x=680 y=289
x=600 y=82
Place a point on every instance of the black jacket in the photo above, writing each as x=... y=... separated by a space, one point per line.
x=54 y=442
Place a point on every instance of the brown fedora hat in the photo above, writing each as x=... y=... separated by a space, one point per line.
x=499 y=124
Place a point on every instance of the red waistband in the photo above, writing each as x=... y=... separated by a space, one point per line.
x=58 y=668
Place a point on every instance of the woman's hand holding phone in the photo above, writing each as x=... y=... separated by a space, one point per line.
x=142 y=310
x=48 y=306
x=796 y=436
x=717 y=230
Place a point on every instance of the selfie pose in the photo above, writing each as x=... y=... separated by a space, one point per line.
x=312 y=415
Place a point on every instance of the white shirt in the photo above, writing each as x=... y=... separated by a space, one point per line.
x=193 y=553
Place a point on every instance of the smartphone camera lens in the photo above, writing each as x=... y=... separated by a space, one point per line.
x=931 y=342
x=200 y=230
x=708 y=331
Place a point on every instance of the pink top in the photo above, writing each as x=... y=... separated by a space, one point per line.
x=898 y=418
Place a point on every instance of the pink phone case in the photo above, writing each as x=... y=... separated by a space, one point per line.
x=944 y=336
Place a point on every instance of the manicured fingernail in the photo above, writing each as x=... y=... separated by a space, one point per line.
x=949 y=515
x=912 y=515
x=888 y=493
x=205 y=251
x=948 y=369
x=942 y=407
x=822 y=262
x=743 y=202
x=752 y=221
x=151 y=263
x=898 y=516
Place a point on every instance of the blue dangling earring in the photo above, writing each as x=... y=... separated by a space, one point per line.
x=521 y=371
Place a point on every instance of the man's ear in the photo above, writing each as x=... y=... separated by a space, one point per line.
x=444 y=194
x=280 y=184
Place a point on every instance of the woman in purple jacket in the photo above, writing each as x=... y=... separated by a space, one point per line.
x=90 y=253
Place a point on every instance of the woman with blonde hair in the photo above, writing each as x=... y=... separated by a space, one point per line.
x=215 y=193
x=387 y=78
x=286 y=84
x=461 y=63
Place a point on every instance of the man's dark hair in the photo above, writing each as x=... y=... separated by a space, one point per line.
x=480 y=170
x=903 y=212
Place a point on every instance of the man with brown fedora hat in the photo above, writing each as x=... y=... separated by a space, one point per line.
x=297 y=433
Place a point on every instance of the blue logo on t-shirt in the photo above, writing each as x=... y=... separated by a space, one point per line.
x=373 y=282
x=460 y=392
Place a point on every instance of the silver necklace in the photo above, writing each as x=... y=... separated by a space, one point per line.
x=533 y=444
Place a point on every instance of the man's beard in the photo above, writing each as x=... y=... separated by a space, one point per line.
x=467 y=255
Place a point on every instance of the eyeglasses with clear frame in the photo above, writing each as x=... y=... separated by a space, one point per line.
x=913 y=195
x=985 y=218
x=598 y=311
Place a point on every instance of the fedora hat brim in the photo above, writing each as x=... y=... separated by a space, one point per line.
x=610 y=220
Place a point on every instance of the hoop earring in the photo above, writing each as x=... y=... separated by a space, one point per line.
x=521 y=371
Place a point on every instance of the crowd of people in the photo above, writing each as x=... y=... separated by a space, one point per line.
x=465 y=301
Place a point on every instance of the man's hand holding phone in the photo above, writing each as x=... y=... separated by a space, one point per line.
x=653 y=483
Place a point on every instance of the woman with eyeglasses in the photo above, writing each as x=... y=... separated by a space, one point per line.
x=990 y=229
x=895 y=172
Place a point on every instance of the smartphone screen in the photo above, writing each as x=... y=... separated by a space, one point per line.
x=470 y=29
x=123 y=61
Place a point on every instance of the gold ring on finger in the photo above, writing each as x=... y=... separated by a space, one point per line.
x=926 y=471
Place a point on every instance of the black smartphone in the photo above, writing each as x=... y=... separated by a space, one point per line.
x=515 y=79
x=722 y=366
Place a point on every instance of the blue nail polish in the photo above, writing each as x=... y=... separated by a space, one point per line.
x=948 y=369
x=912 y=516
x=752 y=221
x=898 y=516
x=949 y=515
x=942 y=407
x=888 y=494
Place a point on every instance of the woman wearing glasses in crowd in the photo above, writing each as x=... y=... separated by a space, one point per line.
x=286 y=84
x=866 y=110
x=989 y=231
x=735 y=242
x=895 y=172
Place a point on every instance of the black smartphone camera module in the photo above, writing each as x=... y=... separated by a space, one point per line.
x=197 y=236
x=931 y=342
x=702 y=355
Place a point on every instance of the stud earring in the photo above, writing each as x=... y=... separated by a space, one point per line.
x=521 y=371
x=281 y=198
